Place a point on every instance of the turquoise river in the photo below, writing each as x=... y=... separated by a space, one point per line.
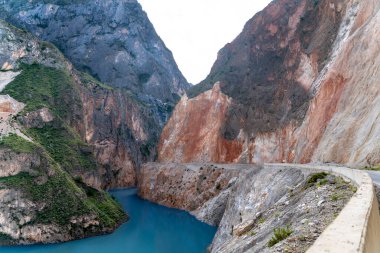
x=151 y=229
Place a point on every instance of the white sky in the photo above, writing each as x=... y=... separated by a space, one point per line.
x=195 y=30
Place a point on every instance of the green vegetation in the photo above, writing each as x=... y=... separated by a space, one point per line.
x=65 y=147
x=314 y=178
x=321 y=182
x=261 y=220
x=342 y=189
x=341 y=184
x=375 y=168
x=38 y=86
x=318 y=178
x=18 y=144
x=64 y=199
x=279 y=235
x=353 y=188
x=86 y=78
x=335 y=197
x=107 y=209
x=5 y=238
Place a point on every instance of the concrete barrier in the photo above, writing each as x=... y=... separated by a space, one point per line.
x=357 y=227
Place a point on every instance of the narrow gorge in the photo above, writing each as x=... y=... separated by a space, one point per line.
x=92 y=100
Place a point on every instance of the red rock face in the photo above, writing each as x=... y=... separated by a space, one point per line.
x=269 y=68
x=327 y=53
x=193 y=131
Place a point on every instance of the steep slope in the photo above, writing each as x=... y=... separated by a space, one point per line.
x=114 y=42
x=117 y=126
x=40 y=152
x=247 y=202
x=111 y=40
x=293 y=90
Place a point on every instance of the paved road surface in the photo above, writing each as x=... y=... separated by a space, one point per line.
x=375 y=175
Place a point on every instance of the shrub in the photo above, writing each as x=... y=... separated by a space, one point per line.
x=38 y=86
x=315 y=177
x=64 y=146
x=322 y=182
x=18 y=144
x=279 y=235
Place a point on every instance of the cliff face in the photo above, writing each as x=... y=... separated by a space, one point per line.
x=111 y=40
x=41 y=203
x=122 y=116
x=192 y=134
x=247 y=202
x=200 y=189
x=43 y=160
x=121 y=130
x=298 y=85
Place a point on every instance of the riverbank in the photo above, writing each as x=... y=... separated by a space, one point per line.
x=151 y=228
x=248 y=202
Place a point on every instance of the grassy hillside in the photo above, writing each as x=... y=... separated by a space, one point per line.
x=63 y=197
x=61 y=151
x=41 y=87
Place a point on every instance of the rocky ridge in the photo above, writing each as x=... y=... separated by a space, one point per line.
x=292 y=90
x=94 y=107
x=111 y=40
x=42 y=200
x=136 y=84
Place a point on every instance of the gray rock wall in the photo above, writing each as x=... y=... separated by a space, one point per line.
x=112 y=40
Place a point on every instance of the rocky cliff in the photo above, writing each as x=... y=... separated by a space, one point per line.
x=200 y=189
x=41 y=203
x=136 y=85
x=43 y=159
x=111 y=40
x=297 y=85
x=248 y=202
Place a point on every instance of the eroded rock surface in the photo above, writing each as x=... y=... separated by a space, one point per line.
x=201 y=189
x=271 y=198
x=299 y=84
x=121 y=128
x=192 y=134
x=40 y=203
x=112 y=40
x=255 y=201
x=115 y=43
x=43 y=160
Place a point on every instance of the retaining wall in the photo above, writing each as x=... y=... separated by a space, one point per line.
x=357 y=227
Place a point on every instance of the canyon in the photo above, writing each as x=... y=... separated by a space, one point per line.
x=137 y=82
x=91 y=99
x=298 y=85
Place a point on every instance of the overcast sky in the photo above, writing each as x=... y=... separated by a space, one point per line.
x=195 y=30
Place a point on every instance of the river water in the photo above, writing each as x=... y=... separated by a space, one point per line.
x=151 y=229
